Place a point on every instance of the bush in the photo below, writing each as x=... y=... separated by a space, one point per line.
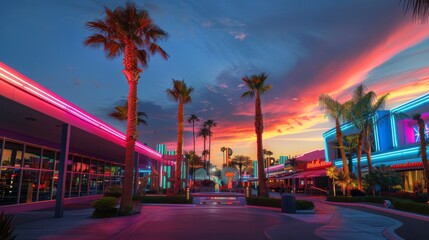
x=105 y=207
x=7 y=228
x=276 y=202
x=113 y=191
x=304 y=205
x=357 y=192
x=163 y=199
x=399 y=204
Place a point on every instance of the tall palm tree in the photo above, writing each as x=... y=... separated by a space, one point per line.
x=191 y=119
x=223 y=149
x=240 y=161
x=256 y=86
x=335 y=110
x=181 y=94
x=204 y=133
x=293 y=162
x=422 y=134
x=362 y=108
x=209 y=124
x=131 y=32
x=352 y=144
x=121 y=114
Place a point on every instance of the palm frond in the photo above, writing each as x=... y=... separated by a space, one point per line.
x=419 y=8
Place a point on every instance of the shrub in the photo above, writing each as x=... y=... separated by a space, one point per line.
x=357 y=192
x=113 y=191
x=163 y=199
x=105 y=207
x=304 y=205
x=276 y=202
x=7 y=229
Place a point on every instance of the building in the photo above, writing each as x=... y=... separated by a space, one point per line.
x=46 y=140
x=395 y=141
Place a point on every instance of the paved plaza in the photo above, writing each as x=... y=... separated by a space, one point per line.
x=225 y=222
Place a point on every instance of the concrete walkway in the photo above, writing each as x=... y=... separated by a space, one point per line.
x=211 y=222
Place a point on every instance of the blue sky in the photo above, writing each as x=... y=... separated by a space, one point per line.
x=306 y=47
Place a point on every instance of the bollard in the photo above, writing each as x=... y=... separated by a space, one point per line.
x=288 y=203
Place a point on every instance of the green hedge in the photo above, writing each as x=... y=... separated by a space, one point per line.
x=163 y=199
x=276 y=202
x=105 y=207
x=399 y=204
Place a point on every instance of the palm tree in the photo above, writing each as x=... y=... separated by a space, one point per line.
x=191 y=119
x=343 y=180
x=131 y=32
x=209 y=124
x=204 y=133
x=335 y=110
x=181 y=94
x=332 y=173
x=422 y=134
x=121 y=114
x=352 y=144
x=362 y=107
x=223 y=149
x=256 y=86
x=420 y=9
x=240 y=161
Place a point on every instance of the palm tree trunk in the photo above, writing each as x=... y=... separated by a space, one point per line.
x=259 y=128
x=339 y=135
x=193 y=160
x=132 y=73
x=180 y=128
x=204 y=153
x=423 y=153
x=367 y=150
x=208 y=165
x=333 y=187
x=359 y=156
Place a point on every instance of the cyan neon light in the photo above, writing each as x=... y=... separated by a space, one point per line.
x=6 y=74
x=412 y=104
x=333 y=130
x=394 y=133
x=325 y=144
x=375 y=130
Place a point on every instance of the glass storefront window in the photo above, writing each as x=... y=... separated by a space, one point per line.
x=85 y=165
x=100 y=181
x=69 y=163
x=100 y=169
x=32 y=157
x=93 y=184
x=94 y=166
x=84 y=185
x=48 y=159
x=9 y=185
x=107 y=169
x=77 y=164
x=46 y=185
x=12 y=154
x=29 y=186
x=76 y=180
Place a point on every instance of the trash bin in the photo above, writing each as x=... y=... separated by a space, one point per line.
x=288 y=203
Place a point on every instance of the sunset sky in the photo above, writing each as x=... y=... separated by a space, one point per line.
x=306 y=48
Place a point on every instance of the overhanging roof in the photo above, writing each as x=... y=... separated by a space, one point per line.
x=30 y=109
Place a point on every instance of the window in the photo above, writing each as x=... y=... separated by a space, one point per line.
x=12 y=154
x=9 y=186
x=48 y=159
x=32 y=157
x=29 y=186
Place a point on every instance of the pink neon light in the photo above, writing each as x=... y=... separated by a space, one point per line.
x=26 y=86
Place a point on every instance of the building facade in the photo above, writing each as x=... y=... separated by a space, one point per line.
x=395 y=141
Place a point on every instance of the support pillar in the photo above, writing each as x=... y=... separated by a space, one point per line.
x=62 y=170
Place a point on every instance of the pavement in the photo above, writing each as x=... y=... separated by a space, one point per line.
x=167 y=221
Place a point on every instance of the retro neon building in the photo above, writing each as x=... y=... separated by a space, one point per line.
x=395 y=142
x=45 y=140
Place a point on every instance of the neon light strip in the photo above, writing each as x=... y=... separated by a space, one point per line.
x=47 y=97
x=376 y=137
x=411 y=104
x=393 y=129
x=332 y=131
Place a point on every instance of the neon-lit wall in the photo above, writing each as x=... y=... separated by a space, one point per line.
x=395 y=133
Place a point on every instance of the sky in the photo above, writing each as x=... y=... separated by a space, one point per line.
x=307 y=48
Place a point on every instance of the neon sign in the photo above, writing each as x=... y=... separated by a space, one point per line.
x=407 y=165
x=318 y=164
x=417 y=134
